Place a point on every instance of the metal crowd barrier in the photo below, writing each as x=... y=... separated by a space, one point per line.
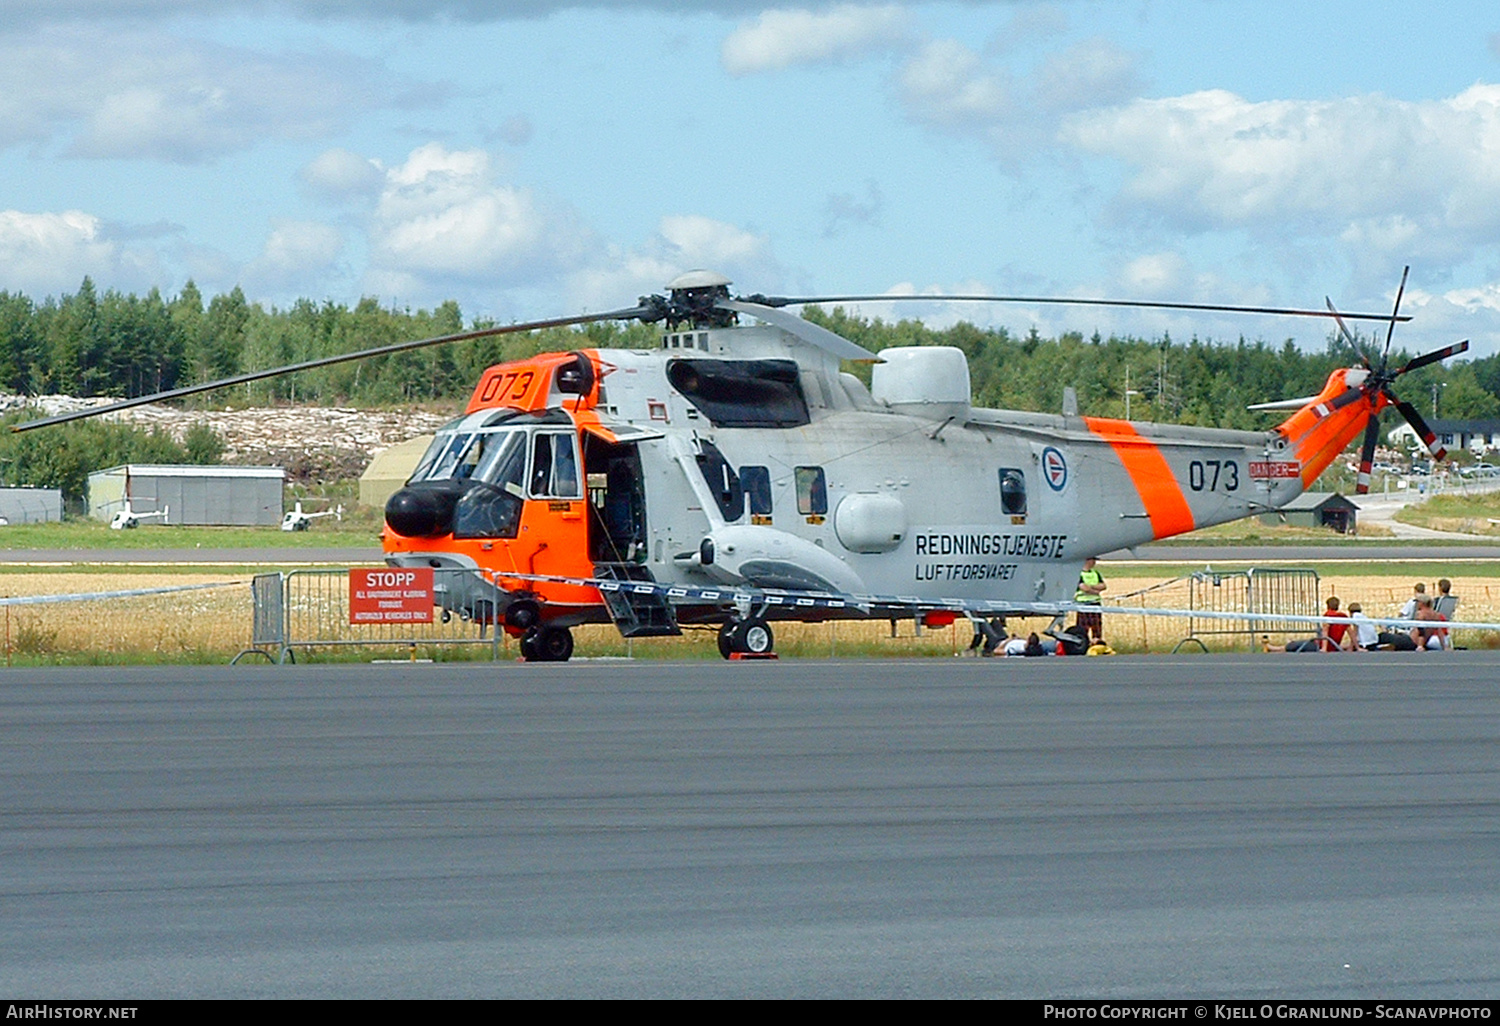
x=1266 y=591
x=309 y=609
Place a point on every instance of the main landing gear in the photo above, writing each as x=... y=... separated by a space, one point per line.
x=748 y=637
x=547 y=645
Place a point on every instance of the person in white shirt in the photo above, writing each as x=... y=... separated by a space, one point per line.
x=1366 y=636
x=1418 y=593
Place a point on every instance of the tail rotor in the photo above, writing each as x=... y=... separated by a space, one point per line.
x=1377 y=388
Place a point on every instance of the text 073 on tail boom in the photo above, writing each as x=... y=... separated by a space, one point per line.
x=736 y=476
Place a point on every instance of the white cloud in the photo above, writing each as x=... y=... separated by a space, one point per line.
x=46 y=253
x=1380 y=171
x=112 y=93
x=782 y=38
x=950 y=87
x=443 y=214
x=338 y=175
x=1155 y=274
x=947 y=85
x=1093 y=73
x=37 y=11
x=295 y=252
x=681 y=242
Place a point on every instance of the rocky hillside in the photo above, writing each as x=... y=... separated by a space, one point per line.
x=314 y=443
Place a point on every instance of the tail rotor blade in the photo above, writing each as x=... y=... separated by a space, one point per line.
x=1367 y=455
x=1391 y=330
x=1348 y=335
x=1339 y=401
x=1433 y=357
x=1425 y=433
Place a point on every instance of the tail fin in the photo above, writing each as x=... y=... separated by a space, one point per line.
x=1322 y=429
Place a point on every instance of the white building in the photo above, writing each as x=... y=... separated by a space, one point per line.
x=1477 y=436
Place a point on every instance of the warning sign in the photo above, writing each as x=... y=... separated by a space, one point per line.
x=390 y=595
x=1271 y=470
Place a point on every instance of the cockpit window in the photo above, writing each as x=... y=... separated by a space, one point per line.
x=443 y=457
x=504 y=462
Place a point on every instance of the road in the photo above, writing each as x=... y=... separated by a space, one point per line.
x=1246 y=827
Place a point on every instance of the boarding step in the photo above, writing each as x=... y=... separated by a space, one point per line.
x=637 y=614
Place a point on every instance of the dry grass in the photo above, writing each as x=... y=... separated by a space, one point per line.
x=178 y=627
x=212 y=625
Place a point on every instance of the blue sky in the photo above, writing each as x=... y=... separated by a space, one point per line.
x=539 y=158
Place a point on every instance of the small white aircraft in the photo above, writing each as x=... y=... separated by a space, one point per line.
x=127 y=518
x=298 y=520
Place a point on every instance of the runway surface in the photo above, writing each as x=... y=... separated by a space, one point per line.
x=1271 y=826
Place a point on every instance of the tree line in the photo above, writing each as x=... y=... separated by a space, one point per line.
x=92 y=344
x=115 y=344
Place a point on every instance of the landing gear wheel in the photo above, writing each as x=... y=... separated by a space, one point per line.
x=522 y=615
x=547 y=645
x=726 y=638
x=752 y=636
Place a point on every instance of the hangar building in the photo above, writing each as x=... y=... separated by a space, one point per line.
x=219 y=495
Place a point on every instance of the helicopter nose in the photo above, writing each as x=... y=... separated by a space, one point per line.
x=419 y=512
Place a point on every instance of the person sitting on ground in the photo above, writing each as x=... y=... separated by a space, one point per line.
x=1334 y=636
x=1429 y=639
x=1034 y=645
x=1366 y=635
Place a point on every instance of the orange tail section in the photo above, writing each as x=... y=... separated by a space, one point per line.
x=1323 y=428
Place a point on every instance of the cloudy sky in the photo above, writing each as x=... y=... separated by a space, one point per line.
x=541 y=157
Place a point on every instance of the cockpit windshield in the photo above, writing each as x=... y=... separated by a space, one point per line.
x=494 y=456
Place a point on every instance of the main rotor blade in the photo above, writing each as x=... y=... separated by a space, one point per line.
x=1400 y=291
x=1348 y=335
x=779 y=301
x=1425 y=433
x=1433 y=357
x=807 y=331
x=1367 y=455
x=328 y=361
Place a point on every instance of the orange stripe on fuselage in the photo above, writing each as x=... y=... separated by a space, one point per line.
x=1153 y=479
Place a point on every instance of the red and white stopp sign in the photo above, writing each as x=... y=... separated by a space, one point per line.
x=390 y=595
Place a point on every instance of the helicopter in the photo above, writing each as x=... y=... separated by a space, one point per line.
x=736 y=475
x=128 y=519
x=298 y=520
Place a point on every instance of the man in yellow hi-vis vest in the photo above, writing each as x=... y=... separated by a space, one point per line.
x=1090 y=586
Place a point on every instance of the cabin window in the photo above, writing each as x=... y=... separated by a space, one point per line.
x=554 y=467
x=723 y=482
x=756 y=481
x=742 y=393
x=812 y=491
x=1012 y=492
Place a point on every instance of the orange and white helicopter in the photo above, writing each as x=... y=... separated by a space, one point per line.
x=735 y=476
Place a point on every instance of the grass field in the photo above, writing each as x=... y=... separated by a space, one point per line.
x=209 y=626
x=1469 y=514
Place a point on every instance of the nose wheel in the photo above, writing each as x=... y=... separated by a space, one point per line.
x=547 y=645
x=751 y=636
